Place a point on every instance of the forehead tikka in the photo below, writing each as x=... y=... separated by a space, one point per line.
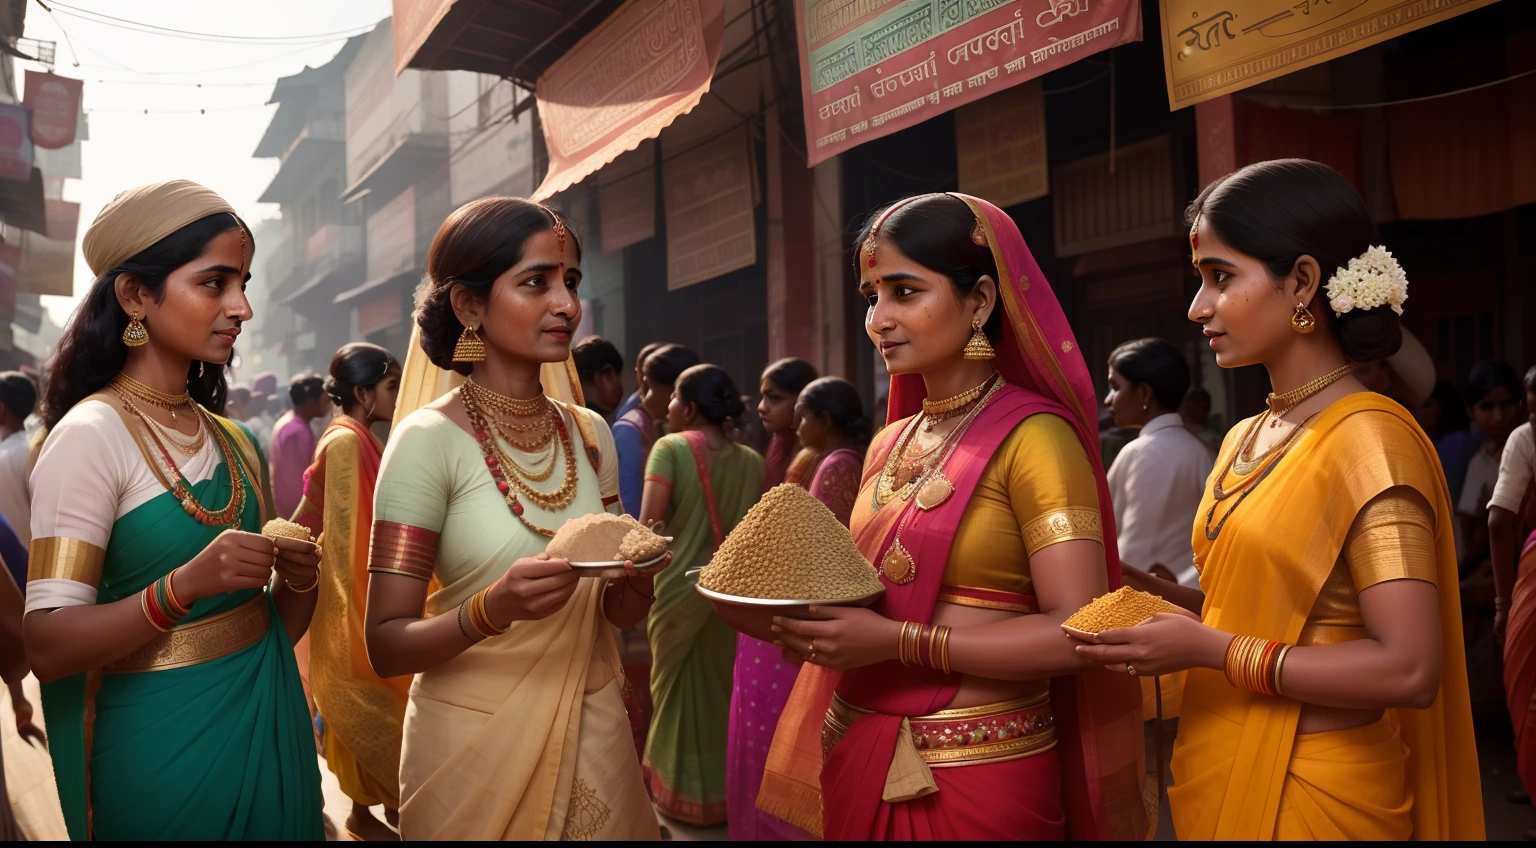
x=869 y=241
x=558 y=229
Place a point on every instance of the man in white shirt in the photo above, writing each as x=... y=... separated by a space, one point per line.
x=1157 y=480
x=1511 y=494
x=18 y=398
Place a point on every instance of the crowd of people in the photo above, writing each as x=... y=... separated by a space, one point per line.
x=1335 y=560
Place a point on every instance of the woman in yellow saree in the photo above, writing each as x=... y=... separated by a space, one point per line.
x=515 y=727
x=362 y=711
x=1327 y=689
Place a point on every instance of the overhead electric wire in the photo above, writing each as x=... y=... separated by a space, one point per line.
x=155 y=29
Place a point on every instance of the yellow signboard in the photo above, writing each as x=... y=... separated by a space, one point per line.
x=1216 y=47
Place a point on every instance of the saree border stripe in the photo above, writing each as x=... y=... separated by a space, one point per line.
x=200 y=641
x=64 y=558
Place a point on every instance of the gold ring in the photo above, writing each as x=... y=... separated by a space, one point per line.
x=1130 y=669
x=811 y=657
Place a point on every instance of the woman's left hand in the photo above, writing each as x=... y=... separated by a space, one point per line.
x=1168 y=643
x=840 y=638
x=297 y=562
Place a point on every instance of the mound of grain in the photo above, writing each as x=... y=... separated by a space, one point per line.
x=601 y=537
x=641 y=545
x=287 y=529
x=790 y=547
x=1124 y=607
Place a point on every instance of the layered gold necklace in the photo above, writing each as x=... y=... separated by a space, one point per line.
x=520 y=423
x=935 y=411
x=125 y=384
x=233 y=511
x=906 y=470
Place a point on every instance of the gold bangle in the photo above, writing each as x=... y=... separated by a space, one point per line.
x=310 y=588
x=480 y=619
x=1279 y=665
x=906 y=642
x=943 y=658
x=178 y=609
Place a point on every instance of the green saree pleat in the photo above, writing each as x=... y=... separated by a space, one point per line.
x=220 y=750
x=693 y=651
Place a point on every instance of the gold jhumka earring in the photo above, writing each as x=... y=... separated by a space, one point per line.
x=1302 y=321
x=135 y=334
x=470 y=348
x=978 y=348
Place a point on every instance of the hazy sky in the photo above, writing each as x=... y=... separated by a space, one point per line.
x=127 y=72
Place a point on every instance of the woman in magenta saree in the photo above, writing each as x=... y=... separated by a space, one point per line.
x=950 y=710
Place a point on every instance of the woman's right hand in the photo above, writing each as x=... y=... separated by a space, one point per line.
x=234 y=560
x=534 y=587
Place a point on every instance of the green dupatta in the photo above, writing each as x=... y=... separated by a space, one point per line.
x=220 y=750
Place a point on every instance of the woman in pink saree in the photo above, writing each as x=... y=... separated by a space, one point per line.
x=955 y=708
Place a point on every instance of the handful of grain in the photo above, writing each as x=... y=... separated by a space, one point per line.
x=790 y=547
x=601 y=537
x=1124 y=607
x=287 y=529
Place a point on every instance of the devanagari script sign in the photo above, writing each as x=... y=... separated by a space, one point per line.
x=1215 y=48
x=872 y=67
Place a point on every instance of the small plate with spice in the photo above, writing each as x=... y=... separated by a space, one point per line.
x=1124 y=607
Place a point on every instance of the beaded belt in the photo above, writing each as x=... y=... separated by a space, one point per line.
x=1007 y=730
x=200 y=641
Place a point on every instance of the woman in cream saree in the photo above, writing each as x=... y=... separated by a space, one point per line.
x=515 y=727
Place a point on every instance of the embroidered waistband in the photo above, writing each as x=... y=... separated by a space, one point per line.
x=989 y=733
x=200 y=641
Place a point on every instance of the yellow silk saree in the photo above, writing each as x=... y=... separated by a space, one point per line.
x=1240 y=770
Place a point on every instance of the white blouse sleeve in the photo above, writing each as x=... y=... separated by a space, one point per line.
x=76 y=489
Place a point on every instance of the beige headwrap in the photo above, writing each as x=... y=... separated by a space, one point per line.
x=139 y=217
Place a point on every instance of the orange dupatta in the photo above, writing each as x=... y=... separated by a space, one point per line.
x=1262 y=575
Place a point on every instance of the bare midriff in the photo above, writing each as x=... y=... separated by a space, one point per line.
x=978 y=691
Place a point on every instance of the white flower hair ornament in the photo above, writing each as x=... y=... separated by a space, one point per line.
x=1372 y=279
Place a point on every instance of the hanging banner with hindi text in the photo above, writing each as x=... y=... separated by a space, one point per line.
x=871 y=67
x=1216 y=48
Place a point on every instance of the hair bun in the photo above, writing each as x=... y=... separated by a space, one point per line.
x=333 y=391
x=1369 y=335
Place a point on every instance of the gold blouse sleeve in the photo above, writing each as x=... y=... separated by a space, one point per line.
x=1051 y=484
x=1392 y=538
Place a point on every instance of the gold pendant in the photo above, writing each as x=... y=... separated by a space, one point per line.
x=934 y=492
x=897 y=564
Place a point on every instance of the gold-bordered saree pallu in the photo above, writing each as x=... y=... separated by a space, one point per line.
x=1240 y=770
x=203 y=733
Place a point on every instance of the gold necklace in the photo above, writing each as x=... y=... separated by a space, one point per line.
x=233 y=511
x=936 y=411
x=508 y=476
x=150 y=395
x=187 y=445
x=1282 y=403
x=903 y=476
x=1221 y=495
x=510 y=407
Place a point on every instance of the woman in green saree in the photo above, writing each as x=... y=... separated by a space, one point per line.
x=160 y=622
x=701 y=483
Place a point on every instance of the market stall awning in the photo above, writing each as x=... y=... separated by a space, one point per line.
x=374 y=285
x=518 y=39
x=636 y=73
